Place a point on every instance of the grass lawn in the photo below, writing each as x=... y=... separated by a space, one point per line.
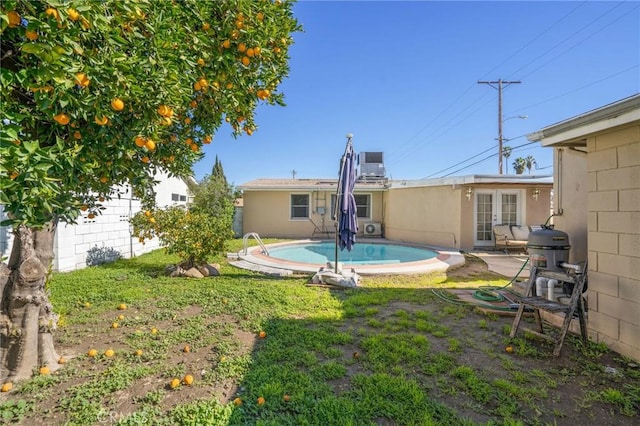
x=274 y=351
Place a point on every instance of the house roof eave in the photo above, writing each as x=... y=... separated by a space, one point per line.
x=574 y=131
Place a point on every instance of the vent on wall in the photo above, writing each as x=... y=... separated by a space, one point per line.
x=373 y=229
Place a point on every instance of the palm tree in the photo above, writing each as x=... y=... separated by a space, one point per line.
x=506 y=153
x=530 y=162
x=519 y=165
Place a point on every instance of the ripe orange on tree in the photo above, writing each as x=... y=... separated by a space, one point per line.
x=31 y=35
x=150 y=145
x=165 y=110
x=139 y=141
x=52 y=13
x=77 y=135
x=245 y=61
x=145 y=159
x=117 y=104
x=73 y=14
x=104 y=179
x=82 y=80
x=101 y=121
x=14 y=19
x=62 y=119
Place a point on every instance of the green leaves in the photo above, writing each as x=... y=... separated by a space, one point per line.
x=147 y=54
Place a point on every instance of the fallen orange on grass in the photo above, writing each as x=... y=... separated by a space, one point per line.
x=92 y=353
x=122 y=307
x=174 y=383
x=262 y=334
x=109 y=353
x=44 y=371
x=138 y=352
x=260 y=401
x=237 y=401
x=6 y=387
x=509 y=349
x=186 y=349
x=188 y=380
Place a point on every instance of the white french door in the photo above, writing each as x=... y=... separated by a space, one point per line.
x=495 y=207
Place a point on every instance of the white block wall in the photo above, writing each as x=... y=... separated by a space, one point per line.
x=110 y=230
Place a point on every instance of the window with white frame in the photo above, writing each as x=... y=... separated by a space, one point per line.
x=299 y=206
x=363 y=205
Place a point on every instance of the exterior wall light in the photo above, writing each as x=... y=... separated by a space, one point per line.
x=535 y=194
x=469 y=193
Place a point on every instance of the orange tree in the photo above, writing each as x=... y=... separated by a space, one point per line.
x=100 y=93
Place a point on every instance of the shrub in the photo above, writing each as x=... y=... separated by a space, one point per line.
x=194 y=236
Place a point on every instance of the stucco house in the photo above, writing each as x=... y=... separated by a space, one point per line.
x=90 y=241
x=597 y=203
x=457 y=212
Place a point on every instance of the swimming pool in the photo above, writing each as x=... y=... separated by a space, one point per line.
x=360 y=254
x=371 y=257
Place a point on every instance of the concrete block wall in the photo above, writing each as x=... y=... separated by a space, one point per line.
x=613 y=167
x=109 y=230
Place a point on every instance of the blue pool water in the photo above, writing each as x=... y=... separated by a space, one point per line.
x=361 y=254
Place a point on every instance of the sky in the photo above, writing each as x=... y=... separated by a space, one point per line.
x=402 y=78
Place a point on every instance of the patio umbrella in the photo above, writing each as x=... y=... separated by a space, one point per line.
x=346 y=214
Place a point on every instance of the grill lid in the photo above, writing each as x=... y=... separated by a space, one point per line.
x=548 y=238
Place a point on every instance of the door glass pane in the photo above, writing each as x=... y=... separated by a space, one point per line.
x=509 y=208
x=484 y=217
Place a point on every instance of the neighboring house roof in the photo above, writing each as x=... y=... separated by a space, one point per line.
x=572 y=132
x=307 y=185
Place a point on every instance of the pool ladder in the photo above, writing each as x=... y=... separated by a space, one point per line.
x=255 y=235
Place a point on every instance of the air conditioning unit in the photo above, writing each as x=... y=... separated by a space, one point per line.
x=373 y=229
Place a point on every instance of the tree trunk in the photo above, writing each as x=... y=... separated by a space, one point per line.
x=26 y=315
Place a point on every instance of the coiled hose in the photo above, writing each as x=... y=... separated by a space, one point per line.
x=484 y=293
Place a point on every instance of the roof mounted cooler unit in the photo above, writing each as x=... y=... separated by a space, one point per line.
x=370 y=165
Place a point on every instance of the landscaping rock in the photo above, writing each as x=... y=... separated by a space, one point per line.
x=193 y=273
x=199 y=271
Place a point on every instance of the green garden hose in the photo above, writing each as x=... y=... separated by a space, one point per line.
x=485 y=294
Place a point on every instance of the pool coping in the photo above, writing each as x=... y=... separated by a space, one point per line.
x=446 y=258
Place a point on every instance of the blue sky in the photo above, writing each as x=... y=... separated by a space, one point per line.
x=402 y=77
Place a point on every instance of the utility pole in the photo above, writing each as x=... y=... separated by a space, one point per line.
x=500 y=84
